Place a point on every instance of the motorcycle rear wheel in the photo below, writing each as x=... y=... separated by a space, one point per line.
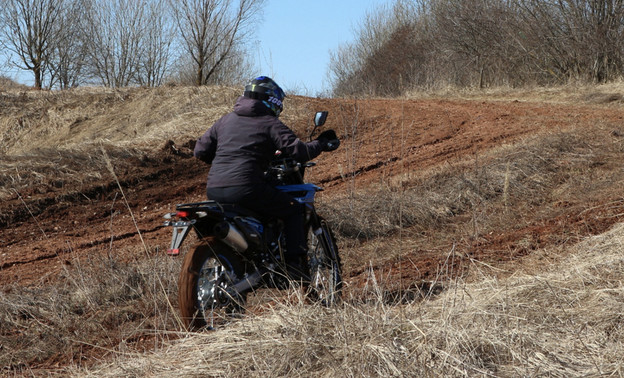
x=207 y=271
x=325 y=267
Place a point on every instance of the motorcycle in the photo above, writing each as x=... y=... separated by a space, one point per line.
x=240 y=251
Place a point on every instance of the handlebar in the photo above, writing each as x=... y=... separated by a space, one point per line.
x=288 y=170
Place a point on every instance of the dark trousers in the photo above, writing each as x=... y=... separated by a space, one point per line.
x=268 y=201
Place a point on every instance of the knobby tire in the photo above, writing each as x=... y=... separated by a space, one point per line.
x=197 y=274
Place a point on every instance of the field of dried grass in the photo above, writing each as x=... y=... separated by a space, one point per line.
x=480 y=235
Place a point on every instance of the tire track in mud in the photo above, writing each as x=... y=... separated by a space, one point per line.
x=22 y=211
x=444 y=147
x=358 y=171
x=83 y=245
x=76 y=219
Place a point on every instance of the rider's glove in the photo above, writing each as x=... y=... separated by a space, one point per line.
x=329 y=140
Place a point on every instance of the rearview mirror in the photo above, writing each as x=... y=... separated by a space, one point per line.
x=320 y=118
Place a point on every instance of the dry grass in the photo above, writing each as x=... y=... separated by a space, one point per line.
x=7 y=84
x=130 y=118
x=53 y=139
x=562 y=319
x=127 y=117
x=99 y=306
x=565 y=321
x=46 y=169
x=606 y=94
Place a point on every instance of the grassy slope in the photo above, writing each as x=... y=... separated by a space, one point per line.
x=558 y=313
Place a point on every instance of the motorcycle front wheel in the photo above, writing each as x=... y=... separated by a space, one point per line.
x=207 y=272
x=326 y=277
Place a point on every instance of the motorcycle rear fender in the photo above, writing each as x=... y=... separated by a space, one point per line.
x=180 y=232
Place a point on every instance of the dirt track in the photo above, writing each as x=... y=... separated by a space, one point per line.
x=47 y=227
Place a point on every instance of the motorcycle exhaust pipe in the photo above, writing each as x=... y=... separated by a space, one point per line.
x=231 y=236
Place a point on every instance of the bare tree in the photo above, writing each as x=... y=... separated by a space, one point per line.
x=475 y=36
x=576 y=39
x=67 y=57
x=381 y=59
x=212 y=31
x=31 y=32
x=236 y=71
x=114 y=32
x=157 y=40
x=481 y=43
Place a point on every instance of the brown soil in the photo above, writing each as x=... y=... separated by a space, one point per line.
x=46 y=227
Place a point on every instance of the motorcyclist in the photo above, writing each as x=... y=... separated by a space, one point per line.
x=240 y=146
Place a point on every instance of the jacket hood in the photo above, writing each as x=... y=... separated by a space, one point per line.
x=249 y=107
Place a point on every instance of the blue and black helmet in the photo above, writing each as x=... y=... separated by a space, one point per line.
x=265 y=89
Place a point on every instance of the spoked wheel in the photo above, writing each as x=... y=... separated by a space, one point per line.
x=326 y=280
x=208 y=270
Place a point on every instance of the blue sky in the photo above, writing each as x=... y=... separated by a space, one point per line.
x=296 y=37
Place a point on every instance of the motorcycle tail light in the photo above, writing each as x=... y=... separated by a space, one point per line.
x=182 y=214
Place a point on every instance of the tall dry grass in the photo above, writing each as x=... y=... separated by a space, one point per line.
x=128 y=117
x=560 y=320
x=50 y=140
x=99 y=306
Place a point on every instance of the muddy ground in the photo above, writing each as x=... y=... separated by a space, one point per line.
x=45 y=227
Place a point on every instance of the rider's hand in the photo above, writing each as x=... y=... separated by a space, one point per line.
x=329 y=140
